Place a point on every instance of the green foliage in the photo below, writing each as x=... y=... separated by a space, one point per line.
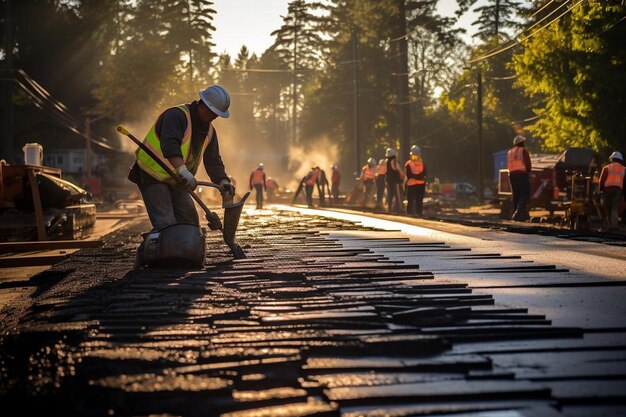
x=575 y=69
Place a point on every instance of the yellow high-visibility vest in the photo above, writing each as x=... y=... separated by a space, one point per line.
x=152 y=141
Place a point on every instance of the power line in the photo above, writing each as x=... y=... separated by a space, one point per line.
x=520 y=40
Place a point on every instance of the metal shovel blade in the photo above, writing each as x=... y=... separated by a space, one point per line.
x=232 y=213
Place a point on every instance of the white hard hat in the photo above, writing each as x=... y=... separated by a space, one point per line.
x=390 y=152
x=616 y=155
x=382 y=161
x=518 y=139
x=371 y=162
x=415 y=150
x=261 y=166
x=217 y=99
x=334 y=166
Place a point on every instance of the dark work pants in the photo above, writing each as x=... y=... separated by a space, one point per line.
x=309 y=195
x=380 y=190
x=259 y=195
x=368 y=191
x=415 y=199
x=168 y=204
x=335 y=191
x=394 y=204
x=612 y=200
x=520 y=185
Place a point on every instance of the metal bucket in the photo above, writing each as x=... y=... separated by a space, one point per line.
x=178 y=245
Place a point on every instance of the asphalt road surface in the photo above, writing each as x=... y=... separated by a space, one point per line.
x=331 y=314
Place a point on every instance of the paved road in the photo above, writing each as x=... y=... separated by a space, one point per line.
x=331 y=314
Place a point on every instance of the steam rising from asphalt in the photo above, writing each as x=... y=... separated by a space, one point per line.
x=322 y=152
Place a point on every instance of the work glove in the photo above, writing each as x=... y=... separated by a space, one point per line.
x=187 y=177
x=214 y=221
x=228 y=190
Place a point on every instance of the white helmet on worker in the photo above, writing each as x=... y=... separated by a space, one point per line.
x=518 y=139
x=371 y=162
x=415 y=150
x=390 y=152
x=334 y=166
x=261 y=166
x=616 y=155
x=217 y=99
x=381 y=161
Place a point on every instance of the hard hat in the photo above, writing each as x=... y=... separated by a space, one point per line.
x=518 y=139
x=334 y=166
x=371 y=162
x=382 y=161
x=261 y=166
x=390 y=152
x=415 y=150
x=616 y=155
x=217 y=99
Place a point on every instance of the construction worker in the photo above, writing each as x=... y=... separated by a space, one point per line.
x=394 y=179
x=257 y=181
x=335 y=180
x=415 y=182
x=612 y=185
x=182 y=136
x=322 y=187
x=381 y=175
x=311 y=179
x=368 y=175
x=519 y=166
x=272 y=187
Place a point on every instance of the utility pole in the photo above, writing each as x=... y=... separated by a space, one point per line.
x=355 y=102
x=88 y=145
x=479 y=122
x=294 y=80
x=7 y=80
x=403 y=83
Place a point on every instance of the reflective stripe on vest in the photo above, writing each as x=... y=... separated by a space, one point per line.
x=615 y=175
x=515 y=160
x=417 y=167
x=152 y=141
x=257 y=177
x=382 y=169
x=312 y=177
x=368 y=173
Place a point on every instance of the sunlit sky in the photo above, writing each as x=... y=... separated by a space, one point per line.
x=250 y=22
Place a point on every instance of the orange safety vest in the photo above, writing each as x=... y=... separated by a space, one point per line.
x=615 y=175
x=368 y=173
x=417 y=167
x=312 y=177
x=382 y=170
x=257 y=177
x=515 y=160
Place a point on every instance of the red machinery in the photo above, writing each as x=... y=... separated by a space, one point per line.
x=566 y=181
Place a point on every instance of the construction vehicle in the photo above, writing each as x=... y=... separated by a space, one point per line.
x=566 y=181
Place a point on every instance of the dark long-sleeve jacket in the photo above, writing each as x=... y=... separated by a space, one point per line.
x=170 y=129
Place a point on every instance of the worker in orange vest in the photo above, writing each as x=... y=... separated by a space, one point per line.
x=415 y=182
x=612 y=186
x=311 y=179
x=381 y=175
x=335 y=180
x=519 y=166
x=394 y=177
x=257 y=181
x=368 y=174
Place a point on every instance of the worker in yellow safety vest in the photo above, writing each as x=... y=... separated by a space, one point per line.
x=612 y=186
x=257 y=181
x=415 y=182
x=519 y=166
x=182 y=137
x=368 y=174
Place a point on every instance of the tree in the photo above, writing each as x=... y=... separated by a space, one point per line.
x=575 y=69
x=494 y=16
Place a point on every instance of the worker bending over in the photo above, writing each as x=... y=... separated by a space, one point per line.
x=257 y=181
x=311 y=179
x=612 y=187
x=519 y=166
x=181 y=137
x=415 y=182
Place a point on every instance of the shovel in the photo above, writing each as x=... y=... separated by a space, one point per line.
x=232 y=211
